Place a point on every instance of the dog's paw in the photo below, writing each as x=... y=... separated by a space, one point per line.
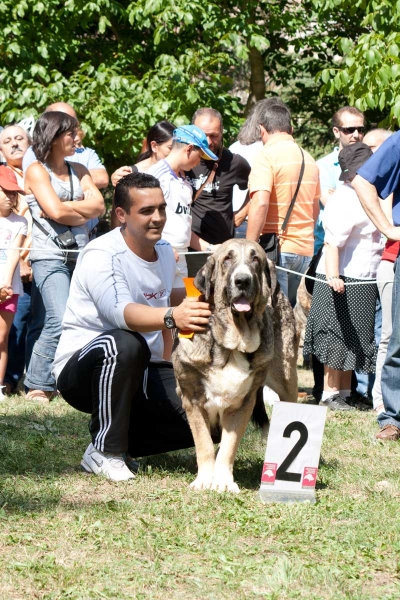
x=225 y=484
x=204 y=477
x=202 y=483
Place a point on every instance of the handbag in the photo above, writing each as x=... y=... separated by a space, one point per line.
x=270 y=241
x=312 y=269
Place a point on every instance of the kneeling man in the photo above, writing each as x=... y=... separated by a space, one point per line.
x=110 y=361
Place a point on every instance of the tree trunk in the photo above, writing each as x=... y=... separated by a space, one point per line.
x=257 y=79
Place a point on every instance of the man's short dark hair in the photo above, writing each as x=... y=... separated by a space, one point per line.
x=276 y=118
x=211 y=113
x=138 y=181
x=337 y=117
x=250 y=130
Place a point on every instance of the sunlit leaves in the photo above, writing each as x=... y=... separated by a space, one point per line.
x=370 y=69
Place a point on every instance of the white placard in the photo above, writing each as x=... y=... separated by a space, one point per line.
x=293 y=449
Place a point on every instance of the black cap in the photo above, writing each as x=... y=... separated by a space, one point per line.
x=351 y=158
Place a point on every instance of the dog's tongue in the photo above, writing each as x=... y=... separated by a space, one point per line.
x=242 y=305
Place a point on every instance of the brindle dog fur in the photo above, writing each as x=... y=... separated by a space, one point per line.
x=250 y=342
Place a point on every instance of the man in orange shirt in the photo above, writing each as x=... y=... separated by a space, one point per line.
x=273 y=181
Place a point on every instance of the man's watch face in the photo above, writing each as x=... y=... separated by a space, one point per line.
x=169 y=320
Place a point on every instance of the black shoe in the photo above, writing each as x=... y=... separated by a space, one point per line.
x=336 y=402
x=357 y=403
x=133 y=465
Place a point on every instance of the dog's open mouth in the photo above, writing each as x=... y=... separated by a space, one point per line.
x=242 y=305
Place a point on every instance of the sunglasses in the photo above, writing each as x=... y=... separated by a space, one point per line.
x=348 y=130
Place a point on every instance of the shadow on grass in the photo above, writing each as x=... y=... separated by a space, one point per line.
x=247 y=472
x=38 y=448
x=247 y=467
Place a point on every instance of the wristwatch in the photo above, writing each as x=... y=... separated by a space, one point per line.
x=169 y=319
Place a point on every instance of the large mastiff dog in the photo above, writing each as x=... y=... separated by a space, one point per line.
x=251 y=341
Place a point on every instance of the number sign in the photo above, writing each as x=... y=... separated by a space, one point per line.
x=293 y=449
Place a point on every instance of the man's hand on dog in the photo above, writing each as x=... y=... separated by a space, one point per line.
x=192 y=314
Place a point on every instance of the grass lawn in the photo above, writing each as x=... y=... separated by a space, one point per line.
x=64 y=534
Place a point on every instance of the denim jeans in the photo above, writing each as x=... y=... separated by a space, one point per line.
x=288 y=281
x=17 y=339
x=25 y=330
x=365 y=382
x=240 y=232
x=385 y=274
x=53 y=278
x=390 y=381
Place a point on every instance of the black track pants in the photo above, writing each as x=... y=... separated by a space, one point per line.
x=133 y=402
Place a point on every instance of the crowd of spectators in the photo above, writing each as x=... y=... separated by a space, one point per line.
x=340 y=211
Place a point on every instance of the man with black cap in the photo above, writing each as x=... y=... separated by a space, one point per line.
x=377 y=179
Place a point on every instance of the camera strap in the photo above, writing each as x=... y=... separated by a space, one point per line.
x=43 y=230
x=210 y=177
x=71 y=185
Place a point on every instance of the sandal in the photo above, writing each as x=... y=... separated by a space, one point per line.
x=39 y=396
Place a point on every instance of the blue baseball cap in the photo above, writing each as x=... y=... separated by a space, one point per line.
x=191 y=134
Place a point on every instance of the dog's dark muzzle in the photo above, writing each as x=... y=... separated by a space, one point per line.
x=243 y=281
x=243 y=295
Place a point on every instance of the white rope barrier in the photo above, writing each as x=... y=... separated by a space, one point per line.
x=362 y=282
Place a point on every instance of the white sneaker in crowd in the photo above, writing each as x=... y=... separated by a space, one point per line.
x=2 y=394
x=111 y=466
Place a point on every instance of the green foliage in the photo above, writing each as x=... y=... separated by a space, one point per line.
x=369 y=64
x=124 y=65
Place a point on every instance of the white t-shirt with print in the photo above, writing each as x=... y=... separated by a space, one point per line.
x=10 y=227
x=107 y=277
x=178 y=195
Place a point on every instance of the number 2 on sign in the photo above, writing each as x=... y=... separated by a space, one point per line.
x=282 y=472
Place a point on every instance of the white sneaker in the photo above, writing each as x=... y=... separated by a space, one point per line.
x=111 y=466
x=2 y=394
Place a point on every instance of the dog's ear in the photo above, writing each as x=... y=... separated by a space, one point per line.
x=204 y=280
x=272 y=282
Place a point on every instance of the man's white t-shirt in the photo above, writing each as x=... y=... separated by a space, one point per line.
x=107 y=277
x=178 y=196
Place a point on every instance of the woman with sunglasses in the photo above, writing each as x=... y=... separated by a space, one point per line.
x=62 y=199
x=13 y=230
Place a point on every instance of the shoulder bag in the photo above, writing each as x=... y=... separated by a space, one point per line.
x=270 y=241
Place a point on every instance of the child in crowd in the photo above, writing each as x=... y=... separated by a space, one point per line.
x=13 y=230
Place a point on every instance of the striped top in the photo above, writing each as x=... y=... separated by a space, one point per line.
x=276 y=169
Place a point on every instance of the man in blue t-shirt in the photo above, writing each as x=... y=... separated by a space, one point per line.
x=378 y=178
